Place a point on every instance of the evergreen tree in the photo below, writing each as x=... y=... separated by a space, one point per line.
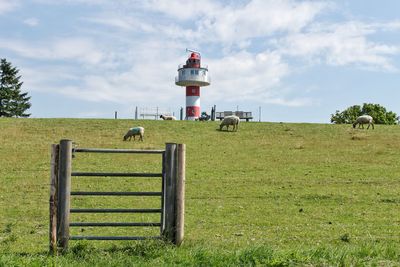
x=13 y=103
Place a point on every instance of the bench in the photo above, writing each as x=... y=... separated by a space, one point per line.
x=243 y=115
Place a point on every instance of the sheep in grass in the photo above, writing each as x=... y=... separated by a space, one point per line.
x=167 y=118
x=230 y=120
x=364 y=119
x=133 y=132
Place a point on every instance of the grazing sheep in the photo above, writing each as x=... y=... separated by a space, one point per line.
x=133 y=132
x=167 y=118
x=230 y=120
x=363 y=120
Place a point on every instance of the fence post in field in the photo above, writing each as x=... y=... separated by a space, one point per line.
x=169 y=192
x=180 y=193
x=174 y=193
x=64 y=193
x=53 y=198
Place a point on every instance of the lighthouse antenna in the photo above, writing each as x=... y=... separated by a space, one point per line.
x=191 y=50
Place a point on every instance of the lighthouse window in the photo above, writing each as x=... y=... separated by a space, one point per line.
x=192 y=72
x=196 y=72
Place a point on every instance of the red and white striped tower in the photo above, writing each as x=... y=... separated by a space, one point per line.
x=193 y=76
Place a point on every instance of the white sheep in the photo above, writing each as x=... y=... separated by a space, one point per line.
x=133 y=132
x=230 y=120
x=167 y=118
x=363 y=120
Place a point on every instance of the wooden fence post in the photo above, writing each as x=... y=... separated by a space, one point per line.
x=180 y=193
x=64 y=193
x=53 y=198
x=169 y=192
x=174 y=193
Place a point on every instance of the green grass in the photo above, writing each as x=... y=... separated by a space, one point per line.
x=275 y=194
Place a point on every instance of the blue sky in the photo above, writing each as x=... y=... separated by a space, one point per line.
x=299 y=61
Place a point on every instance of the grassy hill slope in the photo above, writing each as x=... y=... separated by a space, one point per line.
x=271 y=192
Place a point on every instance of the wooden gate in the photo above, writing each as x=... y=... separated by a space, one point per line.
x=172 y=193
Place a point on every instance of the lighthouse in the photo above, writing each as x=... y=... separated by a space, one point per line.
x=192 y=75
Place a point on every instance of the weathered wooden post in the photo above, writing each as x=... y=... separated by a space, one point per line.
x=174 y=193
x=64 y=193
x=169 y=192
x=180 y=193
x=53 y=198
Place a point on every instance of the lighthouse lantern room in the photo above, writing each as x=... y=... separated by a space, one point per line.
x=192 y=75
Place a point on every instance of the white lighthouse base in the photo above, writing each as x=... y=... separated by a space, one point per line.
x=191 y=118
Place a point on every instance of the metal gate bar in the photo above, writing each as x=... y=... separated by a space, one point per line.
x=115 y=210
x=104 y=150
x=114 y=237
x=115 y=174
x=112 y=224
x=116 y=193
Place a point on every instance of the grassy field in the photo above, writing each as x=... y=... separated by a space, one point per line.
x=274 y=194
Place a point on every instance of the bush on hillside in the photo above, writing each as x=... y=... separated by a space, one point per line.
x=378 y=112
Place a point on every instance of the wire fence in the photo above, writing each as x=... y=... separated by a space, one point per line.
x=152 y=112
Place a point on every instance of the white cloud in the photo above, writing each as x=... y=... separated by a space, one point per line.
x=35 y=80
x=148 y=77
x=211 y=21
x=31 y=22
x=340 y=44
x=296 y=102
x=122 y=22
x=182 y=9
x=77 y=49
x=389 y=26
x=7 y=6
x=258 y=18
x=72 y=2
x=247 y=77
